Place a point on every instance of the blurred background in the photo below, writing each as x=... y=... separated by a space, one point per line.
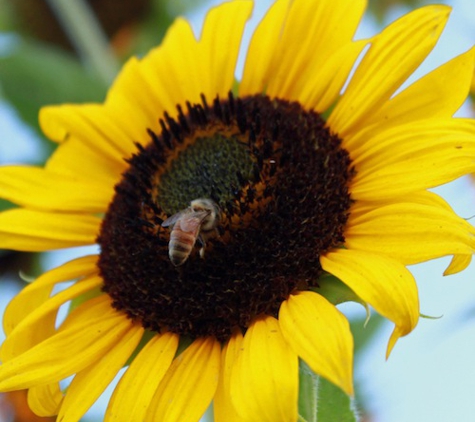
x=430 y=375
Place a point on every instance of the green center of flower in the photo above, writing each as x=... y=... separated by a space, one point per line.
x=223 y=215
x=205 y=169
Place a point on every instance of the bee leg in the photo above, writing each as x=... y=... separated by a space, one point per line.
x=201 y=240
x=203 y=245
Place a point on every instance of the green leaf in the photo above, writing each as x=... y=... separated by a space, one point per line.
x=6 y=16
x=364 y=331
x=6 y=205
x=79 y=300
x=320 y=400
x=33 y=75
x=336 y=292
x=333 y=404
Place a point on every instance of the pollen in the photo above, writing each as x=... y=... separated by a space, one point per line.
x=280 y=180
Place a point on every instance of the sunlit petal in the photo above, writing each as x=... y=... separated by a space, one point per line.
x=86 y=340
x=382 y=282
x=324 y=26
x=189 y=385
x=431 y=232
x=137 y=386
x=28 y=230
x=89 y=384
x=36 y=293
x=439 y=94
x=393 y=56
x=224 y=409
x=45 y=400
x=38 y=188
x=320 y=335
x=264 y=381
x=27 y=334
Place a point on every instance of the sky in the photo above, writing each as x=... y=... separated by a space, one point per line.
x=430 y=375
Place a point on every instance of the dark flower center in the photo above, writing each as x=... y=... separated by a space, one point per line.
x=279 y=180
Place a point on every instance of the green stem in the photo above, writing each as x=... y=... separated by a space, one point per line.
x=320 y=400
x=308 y=385
x=87 y=36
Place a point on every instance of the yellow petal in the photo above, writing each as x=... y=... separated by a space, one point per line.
x=45 y=400
x=135 y=390
x=312 y=33
x=157 y=88
x=408 y=176
x=40 y=323
x=264 y=380
x=324 y=86
x=391 y=59
x=76 y=155
x=224 y=410
x=29 y=230
x=131 y=120
x=36 y=187
x=458 y=263
x=90 y=310
x=262 y=56
x=34 y=294
x=413 y=157
x=422 y=197
x=90 y=124
x=90 y=383
x=410 y=232
x=439 y=94
x=131 y=87
x=189 y=385
x=183 y=84
x=382 y=282
x=219 y=46
x=416 y=139
x=86 y=340
x=320 y=335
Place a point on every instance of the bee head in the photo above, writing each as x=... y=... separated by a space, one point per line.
x=205 y=204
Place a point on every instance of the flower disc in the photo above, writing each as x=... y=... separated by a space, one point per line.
x=280 y=179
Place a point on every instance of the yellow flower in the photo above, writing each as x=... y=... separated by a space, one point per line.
x=306 y=181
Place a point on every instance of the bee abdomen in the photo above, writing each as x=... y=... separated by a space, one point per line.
x=180 y=246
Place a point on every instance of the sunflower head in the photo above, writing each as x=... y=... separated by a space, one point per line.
x=280 y=179
x=224 y=213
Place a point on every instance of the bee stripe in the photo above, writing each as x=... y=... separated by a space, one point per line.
x=180 y=246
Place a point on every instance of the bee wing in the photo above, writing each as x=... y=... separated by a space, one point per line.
x=170 y=221
x=192 y=221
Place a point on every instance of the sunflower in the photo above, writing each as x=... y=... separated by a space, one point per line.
x=310 y=180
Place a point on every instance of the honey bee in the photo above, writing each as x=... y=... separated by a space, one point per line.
x=197 y=222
